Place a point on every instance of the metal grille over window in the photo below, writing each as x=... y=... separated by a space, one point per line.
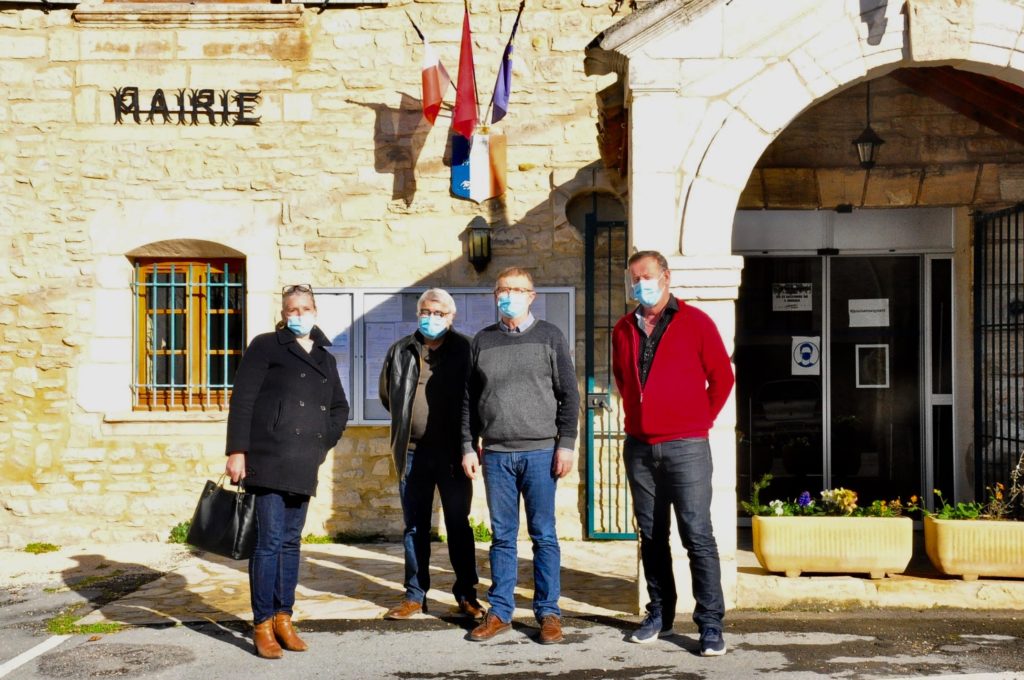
x=189 y=332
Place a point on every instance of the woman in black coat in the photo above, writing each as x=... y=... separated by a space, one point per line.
x=287 y=410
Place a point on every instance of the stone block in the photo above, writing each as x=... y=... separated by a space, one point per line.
x=794 y=188
x=106 y=505
x=126 y=45
x=48 y=506
x=41 y=112
x=298 y=107
x=86 y=105
x=147 y=75
x=939 y=29
x=91 y=455
x=244 y=76
x=837 y=186
x=892 y=187
x=948 y=185
x=22 y=47
x=285 y=44
x=130 y=487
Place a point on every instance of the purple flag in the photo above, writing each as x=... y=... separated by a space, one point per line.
x=503 y=84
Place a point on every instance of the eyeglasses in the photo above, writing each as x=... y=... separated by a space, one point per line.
x=297 y=288
x=505 y=290
x=435 y=313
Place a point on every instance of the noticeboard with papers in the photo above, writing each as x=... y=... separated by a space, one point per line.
x=363 y=323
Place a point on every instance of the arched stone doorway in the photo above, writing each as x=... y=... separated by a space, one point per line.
x=710 y=84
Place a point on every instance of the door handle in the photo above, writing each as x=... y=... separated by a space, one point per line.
x=599 y=400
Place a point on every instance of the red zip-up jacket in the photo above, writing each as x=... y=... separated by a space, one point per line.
x=688 y=383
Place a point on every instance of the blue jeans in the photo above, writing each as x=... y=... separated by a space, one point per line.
x=274 y=565
x=424 y=471
x=676 y=473
x=507 y=475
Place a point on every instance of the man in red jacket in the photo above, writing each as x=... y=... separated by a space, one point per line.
x=674 y=376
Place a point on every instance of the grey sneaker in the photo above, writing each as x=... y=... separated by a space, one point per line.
x=650 y=630
x=711 y=642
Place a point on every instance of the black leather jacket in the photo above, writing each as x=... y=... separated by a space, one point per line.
x=398 y=379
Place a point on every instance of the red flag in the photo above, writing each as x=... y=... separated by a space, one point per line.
x=435 y=82
x=465 y=116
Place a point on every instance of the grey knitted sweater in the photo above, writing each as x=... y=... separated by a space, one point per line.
x=522 y=392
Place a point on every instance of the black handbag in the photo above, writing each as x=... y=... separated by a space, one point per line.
x=224 y=522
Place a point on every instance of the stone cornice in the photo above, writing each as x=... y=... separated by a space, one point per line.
x=173 y=14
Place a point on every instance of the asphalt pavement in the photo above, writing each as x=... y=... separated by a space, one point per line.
x=179 y=614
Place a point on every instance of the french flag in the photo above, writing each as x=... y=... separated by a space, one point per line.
x=435 y=78
x=435 y=82
x=478 y=166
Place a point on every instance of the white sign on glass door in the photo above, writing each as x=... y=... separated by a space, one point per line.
x=869 y=312
x=792 y=297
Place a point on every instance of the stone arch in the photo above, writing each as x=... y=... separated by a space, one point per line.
x=875 y=42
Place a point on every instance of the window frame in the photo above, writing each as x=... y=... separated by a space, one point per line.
x=198 y=392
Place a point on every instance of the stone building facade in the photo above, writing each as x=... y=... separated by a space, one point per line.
x=703 y=108
x=342 y=184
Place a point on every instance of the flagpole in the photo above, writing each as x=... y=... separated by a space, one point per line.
x=415 y=27
x=515 y=24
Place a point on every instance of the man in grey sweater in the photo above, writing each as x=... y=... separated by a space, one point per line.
x=524 y=404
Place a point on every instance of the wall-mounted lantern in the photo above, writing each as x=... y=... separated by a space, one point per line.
x=478 y=241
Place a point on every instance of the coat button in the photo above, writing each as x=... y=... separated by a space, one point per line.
x=324 y=380
x=319 y=436
x=302 y=403
x=322 y=407
x=302 y=375
x=298 y=431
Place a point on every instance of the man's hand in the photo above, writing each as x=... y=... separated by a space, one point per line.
x=563 y=462
x=470 y=464
x=235 y=467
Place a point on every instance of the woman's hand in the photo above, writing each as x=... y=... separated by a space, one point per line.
x=235 y=467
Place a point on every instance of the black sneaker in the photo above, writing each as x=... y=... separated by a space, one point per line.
x=711 y=642
x=650 y=630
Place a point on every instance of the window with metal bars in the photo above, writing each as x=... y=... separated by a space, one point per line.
x=189 y=332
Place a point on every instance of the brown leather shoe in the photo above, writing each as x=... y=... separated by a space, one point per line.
x=263 y=638
x=471 y=608
x=550 y=630
x=285 y=633
x=406 y=610
x=491 y=627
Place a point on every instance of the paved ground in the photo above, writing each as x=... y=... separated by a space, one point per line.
x=187 y=618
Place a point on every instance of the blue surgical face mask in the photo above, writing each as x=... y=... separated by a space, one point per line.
x=302 y=324
x=647 y=291
x=433 y=327
x=513 y=305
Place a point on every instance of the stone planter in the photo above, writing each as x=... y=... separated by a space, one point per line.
x=872 y=545
x=970 y=548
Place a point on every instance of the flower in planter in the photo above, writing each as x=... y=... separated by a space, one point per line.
x=837 y=502
x=1000 y=504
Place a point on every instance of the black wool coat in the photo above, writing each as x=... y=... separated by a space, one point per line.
x=287 y=410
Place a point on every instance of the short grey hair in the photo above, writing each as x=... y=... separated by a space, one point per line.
x=437 y=295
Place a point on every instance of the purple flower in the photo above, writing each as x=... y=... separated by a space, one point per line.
x=804 y=500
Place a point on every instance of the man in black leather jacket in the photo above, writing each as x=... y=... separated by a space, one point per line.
x=423 y=385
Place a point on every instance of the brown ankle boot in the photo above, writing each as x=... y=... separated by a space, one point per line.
x=285 y=633
x=263 y=638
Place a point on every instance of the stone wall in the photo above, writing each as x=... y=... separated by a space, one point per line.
x=342 y=184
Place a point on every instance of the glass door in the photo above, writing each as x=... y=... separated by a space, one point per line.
x=829 y=375
x=874 y=376
x=779 y=324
